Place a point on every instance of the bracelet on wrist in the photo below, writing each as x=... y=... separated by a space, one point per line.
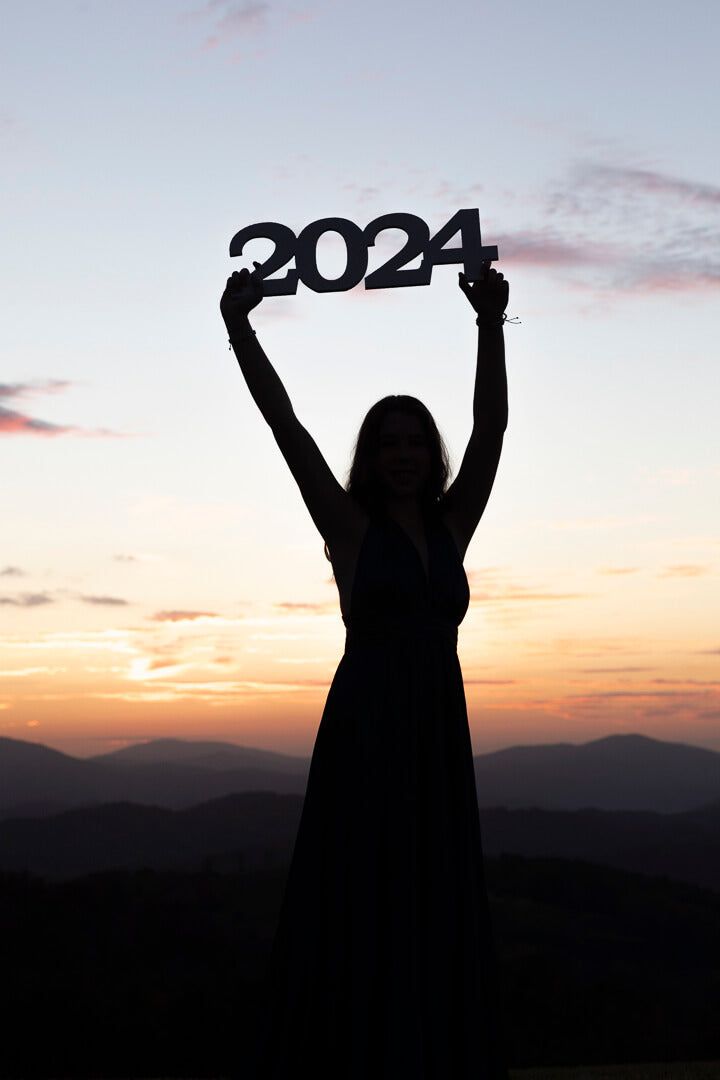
x=498 y=320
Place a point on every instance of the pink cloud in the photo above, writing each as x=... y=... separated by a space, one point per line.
x=661 y=232
x=605 y=227
x=13 y=422
x=547 y=248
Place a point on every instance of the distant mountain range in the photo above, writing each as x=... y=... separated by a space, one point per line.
x=36 y=780
x=618 y=772
x=257 y=831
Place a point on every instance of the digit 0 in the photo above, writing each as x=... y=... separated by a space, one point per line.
x=306 y=255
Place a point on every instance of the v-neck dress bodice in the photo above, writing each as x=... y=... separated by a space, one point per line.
x=391 y=583
x=384 y=964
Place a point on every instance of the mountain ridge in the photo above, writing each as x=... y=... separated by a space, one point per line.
x=256 y=831
x=616 y=772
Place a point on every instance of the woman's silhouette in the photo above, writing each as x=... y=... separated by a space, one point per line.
x=383 y=964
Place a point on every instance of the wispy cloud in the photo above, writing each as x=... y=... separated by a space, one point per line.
x=687 y=681
x=233 y=22
x=655 y=183
x=302 y=660
x=35 y=599
x=104 y=601
x=139 y=558
x=619 y=669
x=604 y=227
x=110 y=639
x=685 y=570
x=618 y=570
x=27 y=600
x=230 y=20
x=603 y=695
x=12 y=571
x=236 y=19
x=183 y=616
x=288 y=605
x=473 y=681
x=590 y=524
x=489 y=586
x=362 y=192
x=674 y=708
x=24 y=673
x=637 y=229
x=548 y=247
x=166 y=662
x=587 y=646
x=685 y=476
x=13 y=422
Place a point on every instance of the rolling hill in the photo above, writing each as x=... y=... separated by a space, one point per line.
x=618 y=772
x=257 y=830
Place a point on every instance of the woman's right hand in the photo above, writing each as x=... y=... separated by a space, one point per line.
x=243 y=292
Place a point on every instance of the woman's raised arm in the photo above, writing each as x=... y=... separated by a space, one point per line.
x=243 y=292
x=331 y=508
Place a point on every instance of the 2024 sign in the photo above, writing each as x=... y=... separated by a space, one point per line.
x=357 y=241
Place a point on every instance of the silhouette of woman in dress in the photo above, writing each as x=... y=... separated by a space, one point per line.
x=384 y=962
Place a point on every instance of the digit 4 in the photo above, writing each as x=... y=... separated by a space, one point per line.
x=471 y=252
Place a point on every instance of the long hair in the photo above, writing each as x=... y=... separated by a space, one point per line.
x=362 y=483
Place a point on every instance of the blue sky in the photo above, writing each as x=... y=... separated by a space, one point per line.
x=159 y=573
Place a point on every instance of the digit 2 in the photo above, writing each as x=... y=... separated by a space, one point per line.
x=285 y=244
x=389 y=275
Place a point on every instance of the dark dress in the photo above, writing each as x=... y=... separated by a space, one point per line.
x=384 y=964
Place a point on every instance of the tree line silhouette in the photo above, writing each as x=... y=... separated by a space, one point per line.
x=162 y=973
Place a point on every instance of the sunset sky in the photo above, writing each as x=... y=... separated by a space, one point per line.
x=159 y=572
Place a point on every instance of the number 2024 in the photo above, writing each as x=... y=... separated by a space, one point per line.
x=357 y=241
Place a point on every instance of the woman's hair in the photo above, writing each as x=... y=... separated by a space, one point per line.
x=362 y=483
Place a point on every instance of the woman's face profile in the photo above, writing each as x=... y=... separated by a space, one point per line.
x=402 y=456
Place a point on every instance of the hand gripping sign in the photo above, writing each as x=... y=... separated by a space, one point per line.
x=357 y=241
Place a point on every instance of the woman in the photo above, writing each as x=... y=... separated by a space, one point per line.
x=383 y=964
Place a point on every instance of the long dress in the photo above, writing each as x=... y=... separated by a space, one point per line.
x=383 y=964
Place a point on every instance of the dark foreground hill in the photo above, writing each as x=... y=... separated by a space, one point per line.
x=619 y=772
x=257 y=830
x=164 y=973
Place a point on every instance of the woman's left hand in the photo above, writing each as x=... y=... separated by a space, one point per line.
x=489 y=294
